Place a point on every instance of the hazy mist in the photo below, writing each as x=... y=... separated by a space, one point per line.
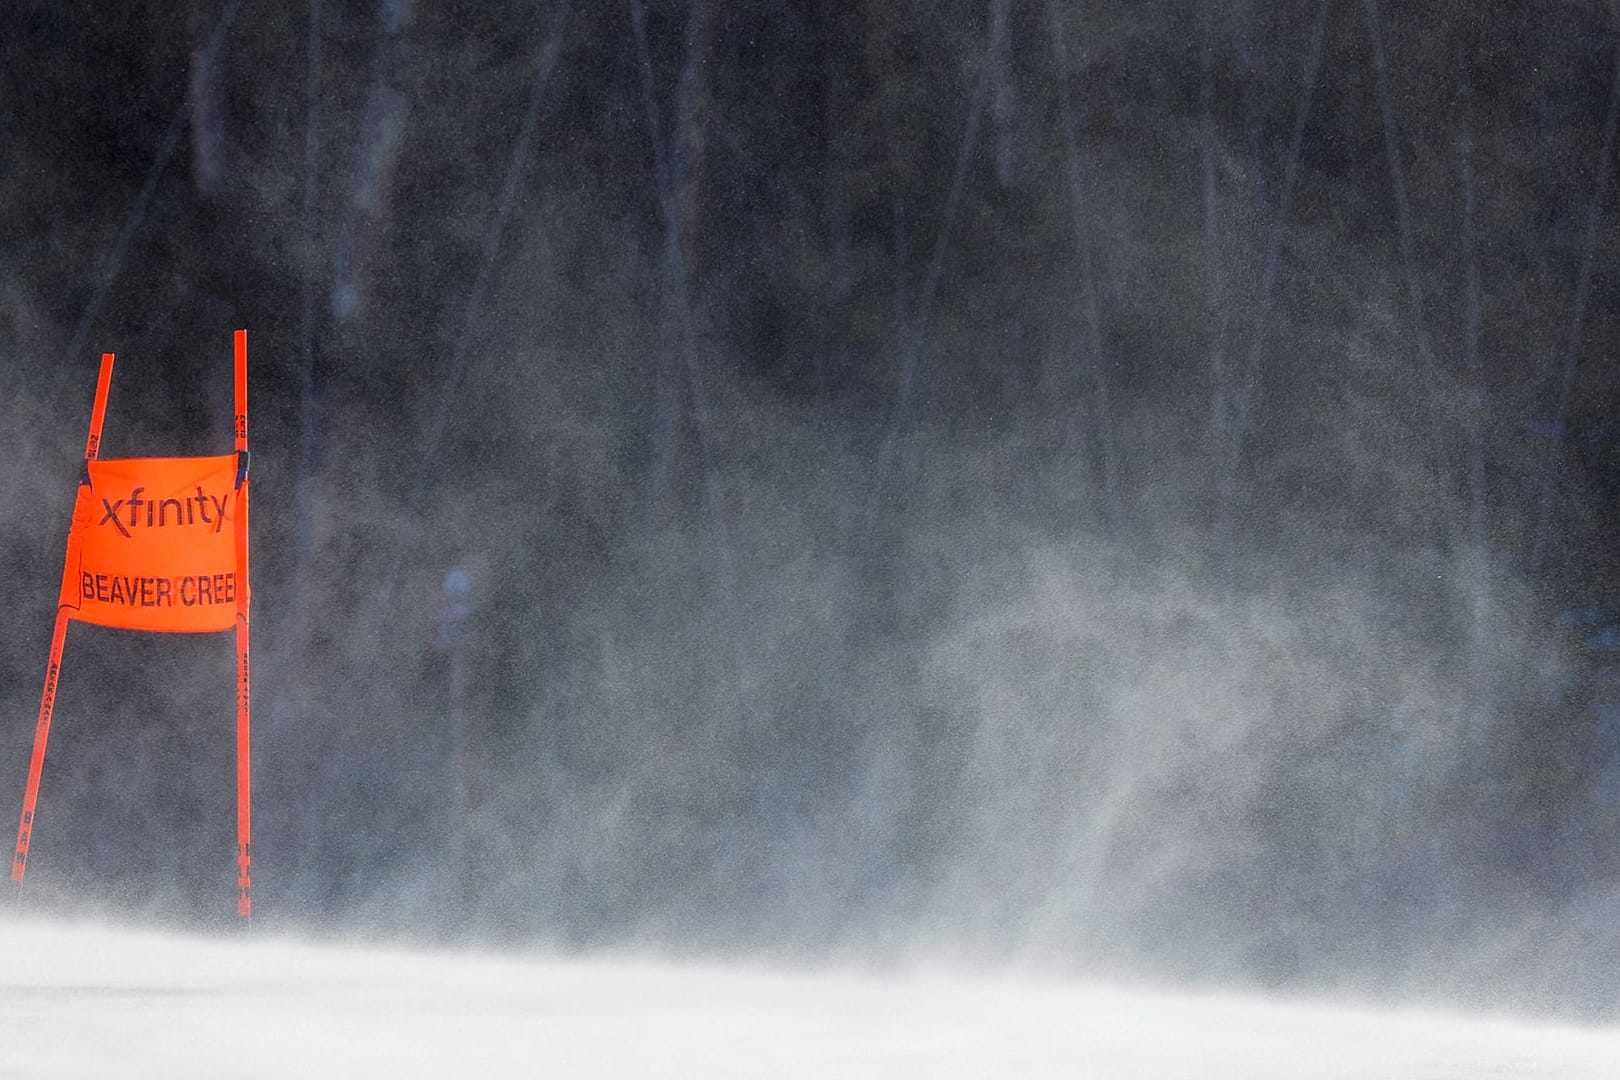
x=1093 y=487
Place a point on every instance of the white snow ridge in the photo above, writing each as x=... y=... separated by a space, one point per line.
x=84 y=1001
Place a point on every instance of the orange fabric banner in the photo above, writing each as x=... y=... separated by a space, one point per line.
x=154 y=545
x=158 y=544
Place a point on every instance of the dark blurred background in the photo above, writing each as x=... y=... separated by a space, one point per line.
x=1103 y=486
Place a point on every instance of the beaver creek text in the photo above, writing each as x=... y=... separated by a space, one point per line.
x=188 y=591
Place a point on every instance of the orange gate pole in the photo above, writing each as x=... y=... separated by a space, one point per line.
x=47 y=701
x=244 y=771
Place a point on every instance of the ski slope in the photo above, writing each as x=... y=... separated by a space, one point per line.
x=78 y=1001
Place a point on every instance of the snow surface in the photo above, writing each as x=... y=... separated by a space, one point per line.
x=85 y=1001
